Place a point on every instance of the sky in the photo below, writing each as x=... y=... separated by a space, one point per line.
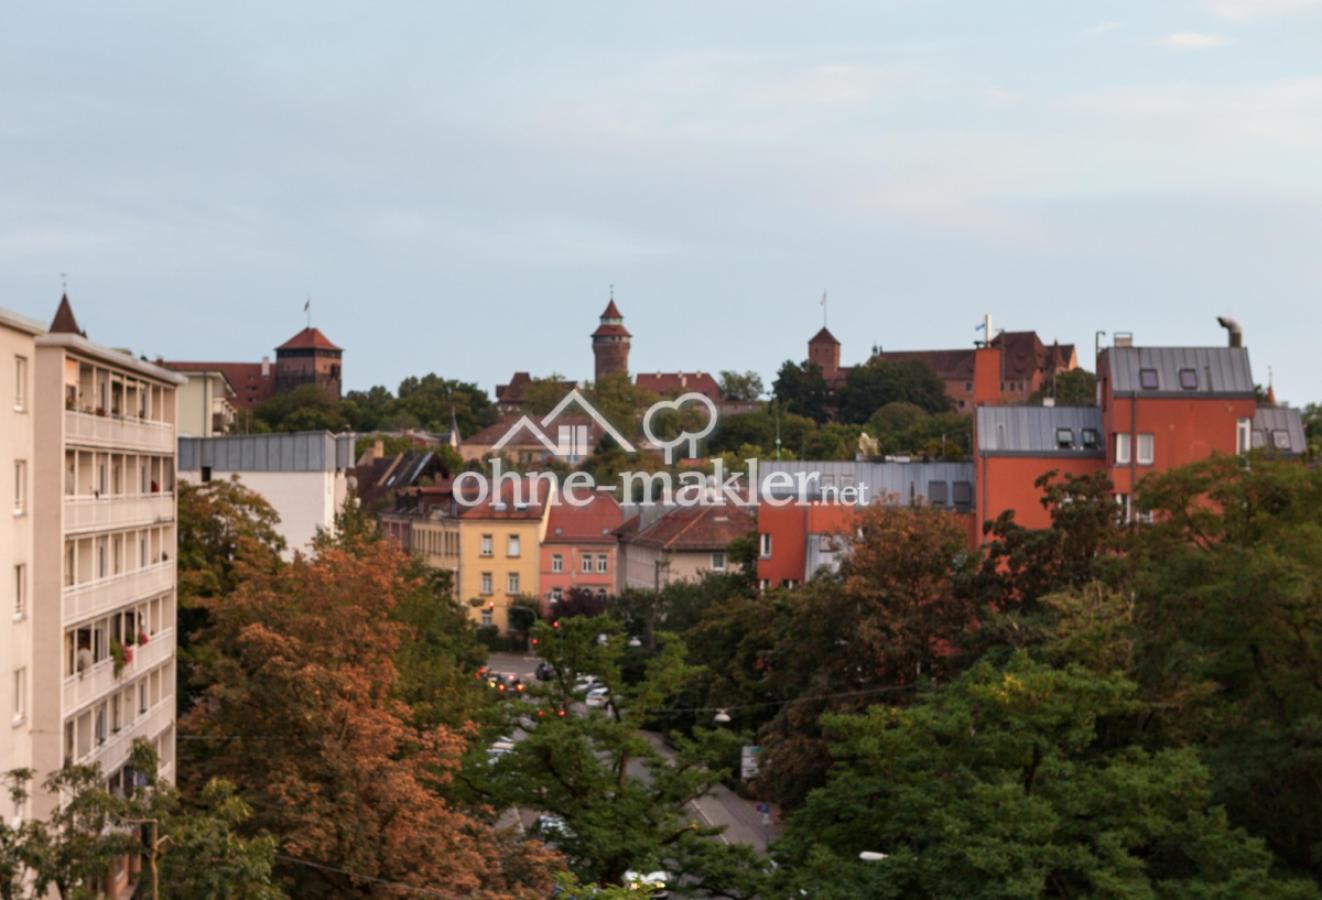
x=456 y=186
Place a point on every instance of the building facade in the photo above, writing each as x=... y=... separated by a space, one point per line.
x=580 y=549
x=103 y=573
x=499 y=550
x=682 y=543
x=303 y=475
x=206 y=404
x=308 y=357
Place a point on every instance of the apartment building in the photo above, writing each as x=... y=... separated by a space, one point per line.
x=580 y=549
x=499 y=541
x=17 y=459
x=101 y=612
x=659 y=546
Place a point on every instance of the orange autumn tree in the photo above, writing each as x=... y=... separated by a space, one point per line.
x=302 y=713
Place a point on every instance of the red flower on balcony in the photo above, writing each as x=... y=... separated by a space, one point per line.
x=142 y=638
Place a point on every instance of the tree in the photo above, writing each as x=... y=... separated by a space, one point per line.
x=623 y=802
x=800 y=388
x=307 y=407
x=746 y=386
x=1005 y=784
x=1077 y=387
x=303 y=713
x=879 y=382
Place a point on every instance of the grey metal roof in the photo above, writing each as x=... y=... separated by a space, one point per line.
x=304 y=451
x=1279 y=428
x=889 y=483
x=1032 y=430
x=1220 y=370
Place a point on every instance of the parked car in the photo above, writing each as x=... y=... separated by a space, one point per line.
x=597 y=697
x=587 y=683
x=499 y=748
x=552 y=828
x=545 y=671
x=655 y=881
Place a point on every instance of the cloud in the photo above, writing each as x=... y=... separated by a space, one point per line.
x=1250 y=10
x=1193 y=40
x=1102 y=28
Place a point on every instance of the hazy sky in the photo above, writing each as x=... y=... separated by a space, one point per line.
x=457 y=184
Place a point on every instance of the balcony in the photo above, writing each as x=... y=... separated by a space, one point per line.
x=128 y=511
x=114 y=751
x=100 y=679
x=104 y=594
x=118 y=433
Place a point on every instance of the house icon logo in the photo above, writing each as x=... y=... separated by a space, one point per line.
x=573 y=440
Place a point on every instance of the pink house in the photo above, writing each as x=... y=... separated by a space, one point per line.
x=580 y=548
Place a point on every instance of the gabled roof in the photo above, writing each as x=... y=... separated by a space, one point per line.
x=1217 y=370
x=308 y=339
x=1023 y=354
x=505 y=506
x=695 y=528
x=675 y=383
x=612 y=311
x=64 y=321
x=1037 y=430
x=823 y=337
x=251 y=387
x=594 y=522
x=948 y=364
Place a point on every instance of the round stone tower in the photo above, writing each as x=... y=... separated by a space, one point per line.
x=610 y=344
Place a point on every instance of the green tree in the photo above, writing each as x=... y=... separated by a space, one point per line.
x=1004 y=784
x=741 y=385
x=1077 y=387
x=879 y=382
x=801 y=389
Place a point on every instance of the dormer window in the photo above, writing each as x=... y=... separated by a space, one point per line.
x=1065 y=438
x=1189 y=379
x=1147 y=379
x=1091 y=439
x=1281 y=439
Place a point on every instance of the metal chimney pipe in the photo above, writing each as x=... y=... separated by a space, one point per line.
x=1234 y=333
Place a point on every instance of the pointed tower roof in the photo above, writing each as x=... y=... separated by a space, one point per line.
x=612 y=323
x=823 y=337
x=64 y=321
x=308 y=338
x=612 y=311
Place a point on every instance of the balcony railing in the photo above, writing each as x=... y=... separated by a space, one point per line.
x=101 y=680
x=128 y=511
x=92 y=597
x=114 y=751
x=118 y=432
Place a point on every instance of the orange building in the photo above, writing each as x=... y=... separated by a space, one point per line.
x=580 y=549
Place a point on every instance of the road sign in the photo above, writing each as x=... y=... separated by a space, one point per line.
x=748 y=761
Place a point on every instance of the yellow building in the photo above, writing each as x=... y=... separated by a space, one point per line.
x=435 y=540
x=499 y=551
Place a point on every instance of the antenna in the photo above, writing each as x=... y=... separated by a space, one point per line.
x=64 y=283
x=612 y=292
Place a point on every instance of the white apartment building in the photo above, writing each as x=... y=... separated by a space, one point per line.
x=96 y=633
x=17 y=458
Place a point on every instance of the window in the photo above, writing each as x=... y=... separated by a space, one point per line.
x=557 y=562
x=512 y=583
x=20 y=383
x=206 y=474
x=488 y=619
x=1091 y=439
x=603 y=563
x=20 y=694
x=486 y=545
x=20 y=591
x=1243 y=439
x=1189 y=379
x=142 y=696
x=936 y=493
x=557 y=595
x=1145 y=442
x=963 y=494
x=1281 y=439
x=1147 y=379
x=1064 y=438
x=764 y=584
x=585 y=564
x=513 y=547
x=764 y=546
x=486 y=584
x=789 y=583
x=20 y=486
x=1122 y=449
x=718 y=561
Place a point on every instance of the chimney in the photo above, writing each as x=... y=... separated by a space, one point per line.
x=986 y=375
x=378 y=449
x=1234 y=333
x=266 y=367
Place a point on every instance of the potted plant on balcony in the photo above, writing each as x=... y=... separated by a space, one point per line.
x=101 y=411
x=143 y=638
x=122 y=656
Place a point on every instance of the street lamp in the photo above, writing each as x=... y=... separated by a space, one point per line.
x=634 y=642
x=873 y=856
x=722 y=717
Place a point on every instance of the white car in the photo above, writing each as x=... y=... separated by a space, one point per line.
x=499 y=748
x=597 y=698
x=586 y=683
x=654 y=881
x=551 y=828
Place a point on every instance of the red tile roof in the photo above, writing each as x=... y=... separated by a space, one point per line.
x=593 y=523
x=506 y=508
x=251 y=387
x=690 y=528
x=612 y=311
x=823 y=337
x=516 y=391
x=675 y=383
x=308 y=339
x=611 y=331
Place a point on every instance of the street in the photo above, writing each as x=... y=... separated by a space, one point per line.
x=721 y=808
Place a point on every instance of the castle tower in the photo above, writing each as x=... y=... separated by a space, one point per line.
x=308 y=358
x=610 y=344
x=824 y=350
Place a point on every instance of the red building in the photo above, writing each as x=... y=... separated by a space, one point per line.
x=306 y=358
x=580 y=549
